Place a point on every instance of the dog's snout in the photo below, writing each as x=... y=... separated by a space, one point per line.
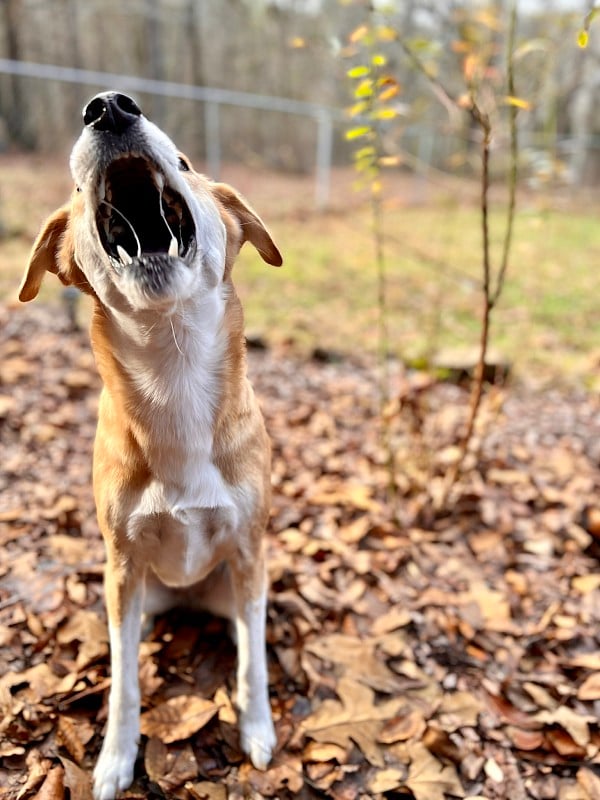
x=112 y=112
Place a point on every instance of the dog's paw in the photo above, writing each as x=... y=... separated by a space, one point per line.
x=114 y=772
x=258 y=740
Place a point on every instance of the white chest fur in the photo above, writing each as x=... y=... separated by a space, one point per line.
x=184 y=518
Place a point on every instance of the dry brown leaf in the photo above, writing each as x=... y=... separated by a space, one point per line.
x=590 y=688
x=590 y=782
x=355 y=495
x=53 y=787
x=510 y=713
x=523 y=739
x=322 y=752
x=564 y=744
x=83 y=626
x=155 y=758
x=540 y=695
x=205 y=790
x=178 y=718
x=357 y=658
x=586 y=661
x=395 y=618
x=575 y=724
x=428 y=779
x=355 y=717
x=286 y=774
x=38 y=767
x=68 y=735
x=43 y=683
x=403 y=727
x=181 y=767
x=227 y=712
x=459 y=709
x=386 y=780
x=584 y=584
x=76 y=780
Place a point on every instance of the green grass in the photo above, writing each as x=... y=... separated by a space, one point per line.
x=546 y=324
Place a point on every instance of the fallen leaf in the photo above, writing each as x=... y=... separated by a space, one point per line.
x=428 y=779
x=590 y=782
x=205 y=790
x=357 y=658
x=320 y=752
x=584 y=584
x=178 y=718
x=386 y=780
x=77 y=780
x=408 y=726
x=459 y=709
x=286 y=775
x=53 y=787
x=355 y=717
x=525 y=740
x=590 y=688
x=155 y=758
x=395 y=618
x=575 y=724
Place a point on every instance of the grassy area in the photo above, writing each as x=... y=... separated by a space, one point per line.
x=325 y=295
x=545 y=325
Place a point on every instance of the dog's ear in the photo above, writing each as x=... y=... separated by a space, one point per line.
x=50 y=249
x=253 y=228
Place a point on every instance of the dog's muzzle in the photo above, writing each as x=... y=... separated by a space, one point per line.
x=142 y=222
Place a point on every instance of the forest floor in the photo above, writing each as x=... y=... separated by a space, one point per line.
x=414 y=651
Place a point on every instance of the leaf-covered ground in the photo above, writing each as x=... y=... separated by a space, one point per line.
x=413 y=652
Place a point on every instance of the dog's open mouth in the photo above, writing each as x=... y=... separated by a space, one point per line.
x=139 y=217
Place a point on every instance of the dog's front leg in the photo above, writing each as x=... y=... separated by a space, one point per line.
x=257 y=733
x=124 y=587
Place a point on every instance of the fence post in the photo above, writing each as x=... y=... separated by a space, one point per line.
x=324 y=156
x=213 y=139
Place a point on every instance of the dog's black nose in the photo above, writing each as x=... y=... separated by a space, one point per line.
x=111 y=111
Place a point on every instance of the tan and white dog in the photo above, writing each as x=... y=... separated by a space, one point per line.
x=181 y=458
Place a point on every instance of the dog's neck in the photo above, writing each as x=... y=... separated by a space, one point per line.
x=170 y=378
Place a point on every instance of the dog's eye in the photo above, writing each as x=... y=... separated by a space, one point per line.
x=183 y=165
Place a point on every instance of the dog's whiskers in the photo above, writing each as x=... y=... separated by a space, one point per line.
x=122 y=215
x=174 y=245
x=175 y=337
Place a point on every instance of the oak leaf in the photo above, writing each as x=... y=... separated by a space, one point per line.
x=357 y=660
x=355 y=717
x=428 y=779
x=178 y=718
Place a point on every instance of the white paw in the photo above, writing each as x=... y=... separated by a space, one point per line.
x=258 y=740
x=114 y=771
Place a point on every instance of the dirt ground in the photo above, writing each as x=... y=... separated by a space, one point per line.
x=413 y=652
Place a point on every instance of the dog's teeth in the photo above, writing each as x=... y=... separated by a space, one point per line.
x=126 y=259
x=174 y=248
x=109 y=194
x=159 y=180
x=102 y=188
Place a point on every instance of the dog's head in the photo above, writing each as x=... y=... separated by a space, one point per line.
x=143 y=230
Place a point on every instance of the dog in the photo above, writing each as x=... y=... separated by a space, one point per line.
x=181 y=467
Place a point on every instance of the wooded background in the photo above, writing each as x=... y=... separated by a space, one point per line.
x=295 y=50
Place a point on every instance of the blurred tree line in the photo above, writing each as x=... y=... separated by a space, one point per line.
x=292 y=48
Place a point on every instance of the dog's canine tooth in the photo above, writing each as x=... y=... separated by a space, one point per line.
x=174 y=248
x=126 y=259
x=102 y=188
x=159 y=180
